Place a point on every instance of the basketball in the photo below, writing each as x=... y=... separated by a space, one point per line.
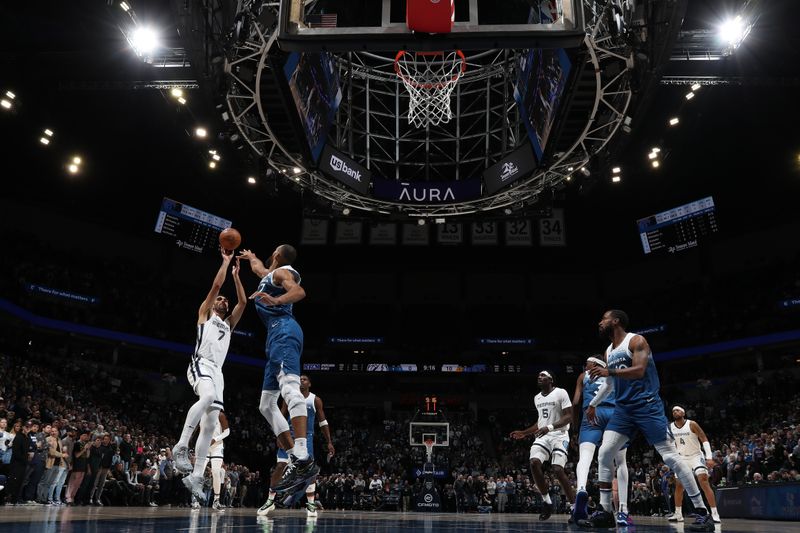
x=230 y=239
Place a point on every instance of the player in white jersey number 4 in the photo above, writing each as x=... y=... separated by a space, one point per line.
x=205 y=373
x=689 y=437
x=552 y=439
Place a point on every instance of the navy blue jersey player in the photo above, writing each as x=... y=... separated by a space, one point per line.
x=638 y=408
x=277 y=292
x=598 y=407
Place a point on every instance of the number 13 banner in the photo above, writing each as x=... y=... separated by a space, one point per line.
x=551 y=230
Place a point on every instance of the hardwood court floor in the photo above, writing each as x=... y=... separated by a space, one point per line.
x=42 y=519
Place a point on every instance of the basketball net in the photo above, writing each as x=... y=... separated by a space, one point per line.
x=429 y=449
x=429 y=78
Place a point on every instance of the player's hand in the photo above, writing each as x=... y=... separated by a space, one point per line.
x=516 y=435
x=264 y=298
x=247 y=255
x=542 y=431
x=710 y=463
x=598 y=372
x=235 y=268
x=591 y=415
x=227 y=255
x=331 y=451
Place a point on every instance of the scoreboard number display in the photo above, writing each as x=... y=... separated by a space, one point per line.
x=191 y=228
x=678 y=229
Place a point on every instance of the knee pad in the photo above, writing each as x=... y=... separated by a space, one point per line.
x=290 y=390
x=269 y=409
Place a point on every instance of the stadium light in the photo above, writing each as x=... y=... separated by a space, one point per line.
x=44 y=140
x=144 y=40
x=696 y=87
x=48 y=132
x=733 y=32
x=201 y=132
x=125 y=7
x=674 y=121
x=76 y=160
x=73 y=168
x=656 y=164
x=689 y=96
x=5 y=103
x=212 y=164
x=181 y=100
x=652 y=155
x=346 y=211
x=507 y=211
x=216 y=157
x=251 y=180
x=616 y=170
x=177 y=93
x=421 y=222
x=586 y=172
x=296 y=170
x=616 y=179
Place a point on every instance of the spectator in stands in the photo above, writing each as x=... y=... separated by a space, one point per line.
x=80 y=466
x=21 y=456
x=55 y=466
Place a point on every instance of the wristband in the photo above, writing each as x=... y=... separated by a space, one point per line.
x=323 y=423
x=550 y=427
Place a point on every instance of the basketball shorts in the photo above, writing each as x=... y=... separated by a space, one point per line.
x=201 y=368
x=216 y=463
x=283 y=349
x=217 y=451
x=551 y=448
x=592 y=433
x=283 y=456
x=696 y=462
x=647 y=417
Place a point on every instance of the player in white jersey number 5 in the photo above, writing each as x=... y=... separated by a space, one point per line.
x=695 y=451
x=205 y=373
x=552 y=439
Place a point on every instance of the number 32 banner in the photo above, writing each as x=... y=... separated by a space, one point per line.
x=551 y=230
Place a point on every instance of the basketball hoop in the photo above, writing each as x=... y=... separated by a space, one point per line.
x=429 y=448
x=430 y=78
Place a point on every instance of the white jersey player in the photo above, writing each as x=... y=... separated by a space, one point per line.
x=552 y=439
x=695 y=452
x=205 y=373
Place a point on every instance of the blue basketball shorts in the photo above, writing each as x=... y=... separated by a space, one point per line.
x=283 y=348
x=647 y=417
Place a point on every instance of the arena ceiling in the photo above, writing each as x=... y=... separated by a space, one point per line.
x=72 y=70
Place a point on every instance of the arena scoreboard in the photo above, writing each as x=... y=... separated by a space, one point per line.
x=678 y=229
x=191 y=228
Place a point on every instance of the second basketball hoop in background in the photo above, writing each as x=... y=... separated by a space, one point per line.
x=430 y=78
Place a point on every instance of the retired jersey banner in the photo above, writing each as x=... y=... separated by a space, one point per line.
x=315 y=231
x=348 y=232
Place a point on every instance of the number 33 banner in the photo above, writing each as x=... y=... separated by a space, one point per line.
x=551 y=230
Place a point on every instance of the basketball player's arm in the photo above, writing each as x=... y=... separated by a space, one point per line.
x=323 y=426
x=697 y=430
x=282 y=278
x=576 y=398
x=564 y=420
x=216 y=285
x=256 y=264
x=602 y=392
x=521 y=434
x=640 y=351
x=241 y=297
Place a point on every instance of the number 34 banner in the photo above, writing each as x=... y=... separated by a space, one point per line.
x=551 y=230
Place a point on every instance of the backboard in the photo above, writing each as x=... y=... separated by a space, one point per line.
x=429 y=425
x=380 y=26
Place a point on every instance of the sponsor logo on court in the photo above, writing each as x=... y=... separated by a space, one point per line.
x=340 y=166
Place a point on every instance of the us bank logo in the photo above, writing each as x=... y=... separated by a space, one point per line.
x=339 y=165
x=508 y=170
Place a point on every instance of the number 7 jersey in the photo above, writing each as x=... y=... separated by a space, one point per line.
x=213 y=340
x=551 y=408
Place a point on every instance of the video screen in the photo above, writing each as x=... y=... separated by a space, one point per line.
x=314 y=84
x=543 y=76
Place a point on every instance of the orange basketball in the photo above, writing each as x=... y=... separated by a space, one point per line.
x=230 y=239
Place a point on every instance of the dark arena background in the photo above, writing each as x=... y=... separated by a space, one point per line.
x=468 y=194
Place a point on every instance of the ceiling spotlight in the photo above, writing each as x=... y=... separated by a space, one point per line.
x=44 y=140
x=297 y=179
x=689 y=96
x=616 y=170
x=421 y=222
x=200 y=132
x=439 y=220
x=251 y=180
x=346 y=211
x=616 y=179
x=181 y=100
x=569 y=178
x=655 y=164
x=212 y=164
x=125 y=7
x=10 y=95
x=674 y=121
x=570 y=169
x=652 y=155
x=48 y=132
x=655 y=150
x=734 y=31
x=507 y=211
x=176 y=92
x=296 y=170
x=144 y=40
x=73 y=168
x=76 y=160
x=5 y=103
x=586 y=172
x=696 y=87
x=216 y=157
